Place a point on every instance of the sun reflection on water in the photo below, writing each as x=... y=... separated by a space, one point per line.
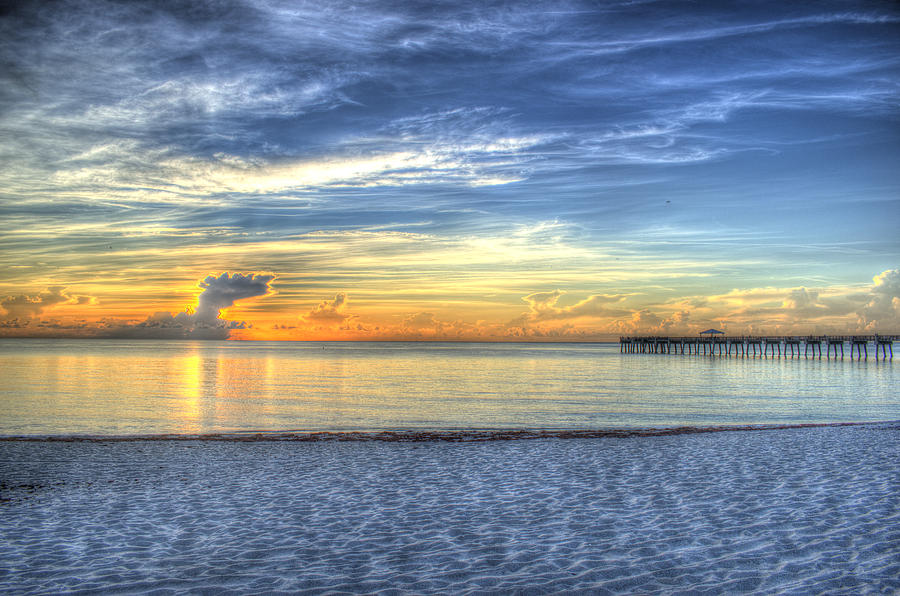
x=186 y=377
x=198 y=387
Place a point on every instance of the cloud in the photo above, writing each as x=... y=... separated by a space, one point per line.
x=203 y=322
x=425 y=325
x=804 y=305
x=222 y=292
x=189 y=90
x=801 y=299
x=542 y=306
x=835 y=309
x=646 y=320
x=144 y=137
x=545 y=320
x=24 y=307
x=540 y=302
x=329 y=312
x=881 y=312
x=695 y=35
x=423 y=321
x=471 y=163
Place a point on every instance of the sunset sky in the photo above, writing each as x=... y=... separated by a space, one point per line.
x=448 y=170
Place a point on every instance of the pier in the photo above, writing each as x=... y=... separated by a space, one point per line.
x=764 y=346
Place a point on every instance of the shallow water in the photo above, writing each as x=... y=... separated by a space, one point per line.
x=121 y=387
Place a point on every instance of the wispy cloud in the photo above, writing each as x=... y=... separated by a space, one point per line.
x=543 y=306
x=690 y=33
x=467 y=152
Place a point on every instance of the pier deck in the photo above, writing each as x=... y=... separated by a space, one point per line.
x=765 y=345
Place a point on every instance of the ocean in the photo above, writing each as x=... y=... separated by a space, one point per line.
x=137 y=388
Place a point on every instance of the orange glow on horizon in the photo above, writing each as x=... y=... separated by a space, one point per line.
x=260 y=307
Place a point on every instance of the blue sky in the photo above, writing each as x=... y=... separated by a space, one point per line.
x=426 y=170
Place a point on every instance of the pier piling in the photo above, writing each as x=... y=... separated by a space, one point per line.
x=762 y=346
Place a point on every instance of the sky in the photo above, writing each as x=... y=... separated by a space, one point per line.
x=465 y=170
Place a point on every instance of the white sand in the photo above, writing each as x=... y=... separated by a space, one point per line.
x=795 y=511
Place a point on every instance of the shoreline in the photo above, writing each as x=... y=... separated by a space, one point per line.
x=425 y=435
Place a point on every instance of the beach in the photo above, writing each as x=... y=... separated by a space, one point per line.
x=802 y=510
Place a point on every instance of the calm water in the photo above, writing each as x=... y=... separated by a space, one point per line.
x=60 y=387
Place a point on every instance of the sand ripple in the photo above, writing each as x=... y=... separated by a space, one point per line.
x=809 y=510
